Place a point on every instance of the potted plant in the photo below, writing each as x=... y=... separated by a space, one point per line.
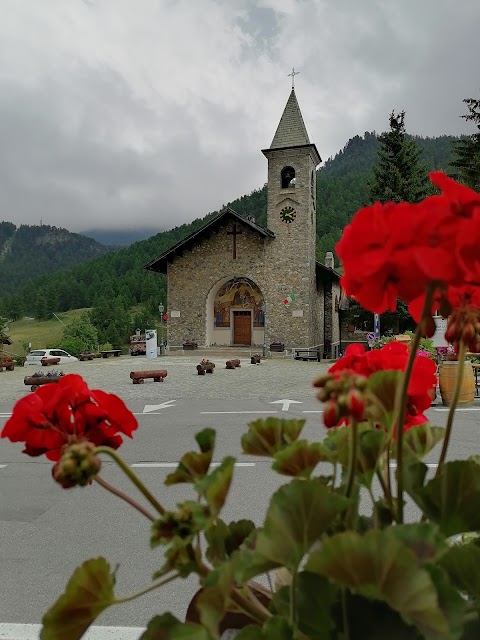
x=189 y=345
x=344 y=562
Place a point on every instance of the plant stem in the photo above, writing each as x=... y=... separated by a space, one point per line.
x=352 y=461
x=106 y=485
x=403 y=397
x=346 y=627
x=134 y=478
x=387 y=493
x=453 y=406
x=251 y=606
x=293 y=599
x=153 y=586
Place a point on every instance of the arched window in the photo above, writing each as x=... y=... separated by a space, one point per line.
x=312 y=186
x=288 y=178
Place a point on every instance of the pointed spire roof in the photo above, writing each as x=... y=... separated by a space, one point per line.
x=291 y=131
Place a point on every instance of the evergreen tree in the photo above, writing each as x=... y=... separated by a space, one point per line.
x=399 y=174
x=467 y=150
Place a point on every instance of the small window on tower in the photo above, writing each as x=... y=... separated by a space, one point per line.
x=312 y=186
x=288 y=178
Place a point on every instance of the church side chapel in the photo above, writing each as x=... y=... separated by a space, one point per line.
x=236 y=283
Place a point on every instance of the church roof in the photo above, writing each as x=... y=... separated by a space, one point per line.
x=322 y=270
x=160 y=264
x=291 y=131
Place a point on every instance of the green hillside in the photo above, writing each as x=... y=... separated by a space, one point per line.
x=117 y=281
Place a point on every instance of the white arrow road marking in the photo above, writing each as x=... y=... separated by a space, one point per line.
x=234 y=412
x=2 y=466
x=154 y=407
x=286 y=403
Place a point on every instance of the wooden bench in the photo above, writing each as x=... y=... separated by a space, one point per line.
x=138 y=377
x=37 y=381
x=46 y=362
x=112 y=352
x=189 y=346
x=86 y=356
x=312 y=353
x=232 y=364
x=9 y=365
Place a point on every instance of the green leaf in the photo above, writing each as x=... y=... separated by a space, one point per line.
x=224 y=539
x=375 y=620
x=267 y=436
x=451 y=499
x=274 y=629
x=299 y=458
x=298 y=514
x=462 y=563
x=89 y=592
x=214 y=487
x=183 y=524
x=314 y=598
x=450 y=601
x=419 y=440
x=192 y=465
x=167 y=627
x=212 y=600
x=383 y=385
x=377 y=565
x=423 y=539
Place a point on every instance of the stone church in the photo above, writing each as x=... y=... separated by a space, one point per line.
x=236 y=283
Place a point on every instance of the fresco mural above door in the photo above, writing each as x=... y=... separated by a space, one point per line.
x=238 y=293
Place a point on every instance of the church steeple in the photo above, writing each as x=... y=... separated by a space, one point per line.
x=291 y=131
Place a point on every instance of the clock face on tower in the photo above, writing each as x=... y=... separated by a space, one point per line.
x=288 y=215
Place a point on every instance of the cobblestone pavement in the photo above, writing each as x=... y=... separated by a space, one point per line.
x=280 y=377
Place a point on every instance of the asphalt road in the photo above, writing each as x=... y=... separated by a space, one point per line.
x=47 y=531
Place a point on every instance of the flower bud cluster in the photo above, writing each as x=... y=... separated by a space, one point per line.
x=344 y=397
x=77 y=466
x=464 y=325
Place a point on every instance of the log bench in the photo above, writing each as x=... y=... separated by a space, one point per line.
x=46 y=362
x=111 y=352
x=232 y=364
x=36 y=381
x=86 y=356
x=9 y=365
x=312 y=353
x=138 y=377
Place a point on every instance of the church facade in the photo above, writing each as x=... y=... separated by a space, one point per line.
x=236 y=283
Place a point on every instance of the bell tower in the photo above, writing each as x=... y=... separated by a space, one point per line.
x=291 y=215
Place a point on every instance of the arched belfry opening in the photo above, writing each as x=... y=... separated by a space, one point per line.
x=287 y=178
x=235 y=313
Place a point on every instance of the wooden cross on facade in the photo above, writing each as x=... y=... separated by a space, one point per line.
x=235 y=232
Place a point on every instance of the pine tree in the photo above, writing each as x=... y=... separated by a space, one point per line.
x=467 y=150
x=399 y=174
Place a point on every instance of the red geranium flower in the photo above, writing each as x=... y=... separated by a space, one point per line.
x=67 y=412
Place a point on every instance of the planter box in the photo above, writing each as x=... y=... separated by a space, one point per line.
x=189 y=346
x=277 y=346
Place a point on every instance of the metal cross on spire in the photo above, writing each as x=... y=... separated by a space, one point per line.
x=293 y=74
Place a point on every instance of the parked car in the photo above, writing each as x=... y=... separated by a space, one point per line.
x=36 y=356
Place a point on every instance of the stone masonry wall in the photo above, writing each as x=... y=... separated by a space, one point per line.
x=290 y=257
x=192 y=276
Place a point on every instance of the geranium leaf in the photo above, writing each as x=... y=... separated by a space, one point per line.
x=450 y=601
x=212 y=600
x=167 y=627
x=89 y=591
x=420 y=440
x=192 y=465
x=423 y=539
x=274 y=629
x=266 y=436
x=314 y=598
x=299 y=458
x=451 y=499
x=462 y=563
x=224 y=539
x=214 y=487
x=377 y=565
x=383 y=385
x=298 y=514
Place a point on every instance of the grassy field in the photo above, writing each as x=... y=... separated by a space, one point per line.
x=41 y=333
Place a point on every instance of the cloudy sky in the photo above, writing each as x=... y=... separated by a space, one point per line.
x=131 y=113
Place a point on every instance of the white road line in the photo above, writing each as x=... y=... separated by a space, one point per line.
x=2 y=466
x=234 y=412
x=32 y=632
x=430 y=465
x=171 y=465
x=5 y=415
x=461 y=409
x=321 y=411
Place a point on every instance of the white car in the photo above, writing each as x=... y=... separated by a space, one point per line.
x=36 y=356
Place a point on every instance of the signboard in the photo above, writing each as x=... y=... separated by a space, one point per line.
x=151 y=343
x=438 y=338
x=297 y=313
x=174 y=314
x=370 y=336
x=376 y=325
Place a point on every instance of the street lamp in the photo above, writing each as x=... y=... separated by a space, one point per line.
x=264 y=348
x=161 y=309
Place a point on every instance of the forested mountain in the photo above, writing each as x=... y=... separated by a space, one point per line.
x=115 y=282
x=29 y=251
